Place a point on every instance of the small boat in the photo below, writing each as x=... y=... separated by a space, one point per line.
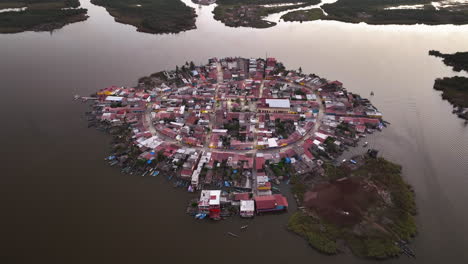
x=110 y=158
x=232 y=234
x=406 y=249
x=202 y=216
x=244 y=227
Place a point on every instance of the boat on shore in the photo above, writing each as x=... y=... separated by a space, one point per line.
x=232 y=234
x=405 y=249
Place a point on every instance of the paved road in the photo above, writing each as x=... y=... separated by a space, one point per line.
x=220 y=72
x=220 y=80
x=147 y=120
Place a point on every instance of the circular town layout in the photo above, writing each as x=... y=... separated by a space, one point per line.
x=233 y=130
x=232 y=123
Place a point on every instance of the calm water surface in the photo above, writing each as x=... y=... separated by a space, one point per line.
x=61 y=203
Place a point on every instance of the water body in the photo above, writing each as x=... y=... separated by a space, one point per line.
x=61 y=203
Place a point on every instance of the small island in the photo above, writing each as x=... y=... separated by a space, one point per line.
x=454 y=89
x=39 y=15
x=251 y=13
x=151 y=16
x=458 y=61
x=239 y=133
x=397 y=12
x=303 y=15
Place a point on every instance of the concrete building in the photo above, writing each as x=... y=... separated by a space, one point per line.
x=274 y=106
x=247 y=208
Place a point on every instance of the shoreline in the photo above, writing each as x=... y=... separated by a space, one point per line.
x=145 y=18
x=454 y=89
x=217 y=131
x=41 y=16
x=50 y=26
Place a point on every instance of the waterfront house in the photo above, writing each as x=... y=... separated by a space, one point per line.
x=247 y=208
x=270 y=203
x=215 y=204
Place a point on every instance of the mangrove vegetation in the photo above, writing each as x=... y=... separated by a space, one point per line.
x=245 y=13
x=458 y=61
x=378 y=12
x=303 y=15
x=151 y=16
x=364 y=206
x=39 y=15
x=454 y=89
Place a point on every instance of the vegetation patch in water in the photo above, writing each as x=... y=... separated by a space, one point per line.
x=458 y=61
x=377 y=12
x=151 y=16
x=251 y=13
x=454 y=89
x=40 y=15
x=303 y=15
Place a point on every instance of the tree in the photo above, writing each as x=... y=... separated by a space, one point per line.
x=177 y=69
x=300 y=69
x=160 y=157
x=192 y=66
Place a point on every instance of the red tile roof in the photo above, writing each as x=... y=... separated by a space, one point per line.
x=265 y=202
x=281 y=200
x=241 y=196
x=259 y=162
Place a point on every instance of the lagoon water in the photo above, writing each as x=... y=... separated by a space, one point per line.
x=61 y=203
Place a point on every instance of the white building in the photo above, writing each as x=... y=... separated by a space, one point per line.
x=247 y=208
x=278 y=103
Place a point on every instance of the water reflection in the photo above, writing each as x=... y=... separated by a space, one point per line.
x=41 y=72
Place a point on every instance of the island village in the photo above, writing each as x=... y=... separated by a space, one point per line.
x=232 y=130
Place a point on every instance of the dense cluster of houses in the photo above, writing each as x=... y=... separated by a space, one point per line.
x=235 y=127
